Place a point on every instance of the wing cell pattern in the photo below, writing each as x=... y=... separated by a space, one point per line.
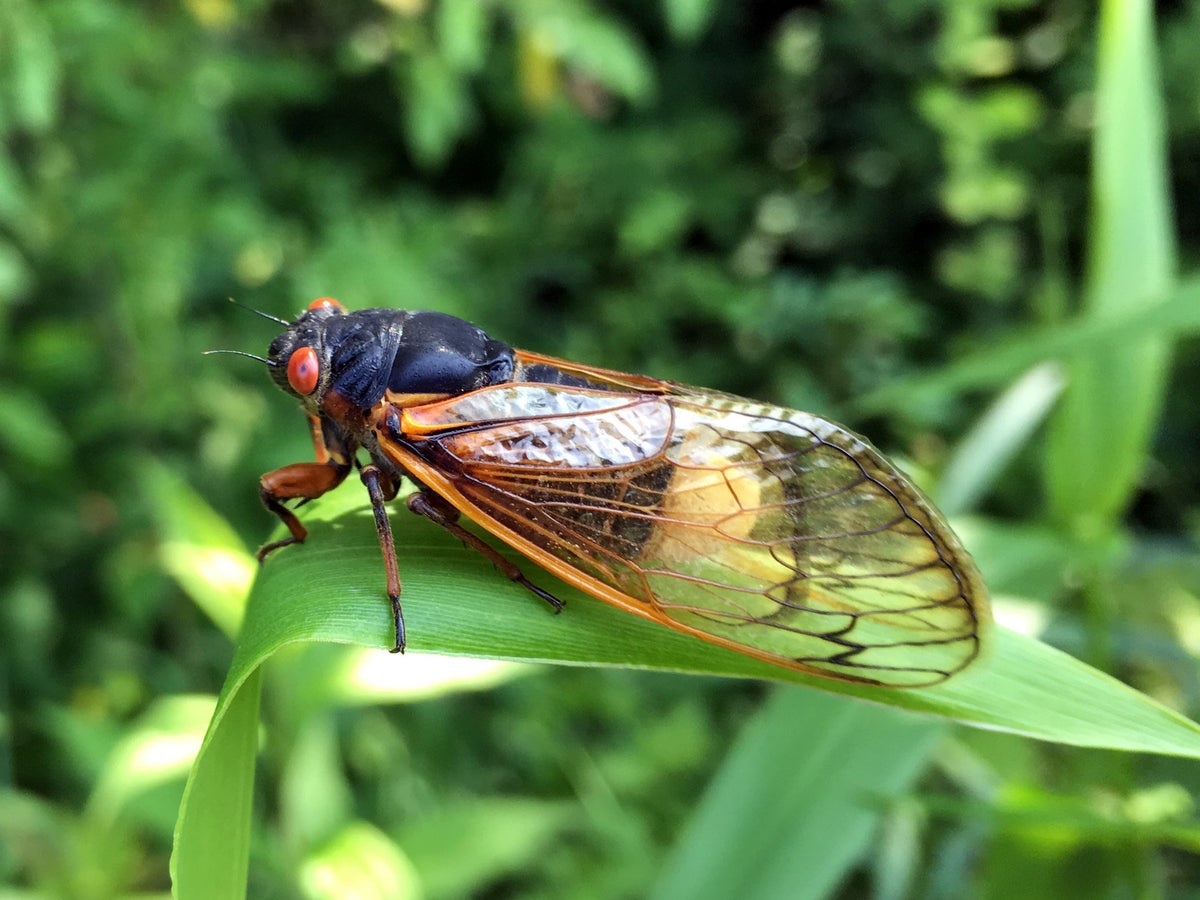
x=771 y=530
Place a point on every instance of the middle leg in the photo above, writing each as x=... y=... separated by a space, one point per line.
x=437 y=510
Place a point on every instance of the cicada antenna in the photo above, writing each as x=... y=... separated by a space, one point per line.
x=258 y=312
x=261 y=359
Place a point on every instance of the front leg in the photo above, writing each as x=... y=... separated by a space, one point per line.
x=299 y=480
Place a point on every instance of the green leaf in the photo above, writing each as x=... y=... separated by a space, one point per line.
x=505 y=834
x=462 y=33
x=987 y=448
x=159 y=747
x=211 y=856
x=360 y=861
x=1177 y=315
x=805 y=761
x=314 y=798
x=1097 y=443
x=198 y=547
x=33 y=435
x=437 y=106
x=331 y=589
x=688 y=19
x=598 y=45
x=30 y=66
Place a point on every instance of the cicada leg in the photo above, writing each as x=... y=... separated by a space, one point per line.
x=434 y=508
x=306 y=481
x=381 y=488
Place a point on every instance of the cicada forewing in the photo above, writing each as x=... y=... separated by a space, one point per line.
x=764 y=529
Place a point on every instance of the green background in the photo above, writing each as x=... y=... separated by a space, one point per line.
x=964 y=229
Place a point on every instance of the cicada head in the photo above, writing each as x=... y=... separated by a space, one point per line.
x=334 y=360
x=300 y=359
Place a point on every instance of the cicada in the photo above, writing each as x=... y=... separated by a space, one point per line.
x=769 y=531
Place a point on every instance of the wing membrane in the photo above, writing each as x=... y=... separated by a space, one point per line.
x=753 y=526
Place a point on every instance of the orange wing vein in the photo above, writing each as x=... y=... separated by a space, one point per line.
x=760 y=528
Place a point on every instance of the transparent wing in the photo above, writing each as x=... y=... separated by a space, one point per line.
x=757 y=527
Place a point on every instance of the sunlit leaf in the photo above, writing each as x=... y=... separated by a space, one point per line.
x=159 y=747
x=199 y=548
x=361 y=862
x=983 y=452
x=1098 y=440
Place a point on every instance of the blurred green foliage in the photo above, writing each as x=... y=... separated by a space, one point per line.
x=804 y=204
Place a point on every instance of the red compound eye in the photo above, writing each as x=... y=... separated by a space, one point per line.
x=324 y=301
x=304 y=369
